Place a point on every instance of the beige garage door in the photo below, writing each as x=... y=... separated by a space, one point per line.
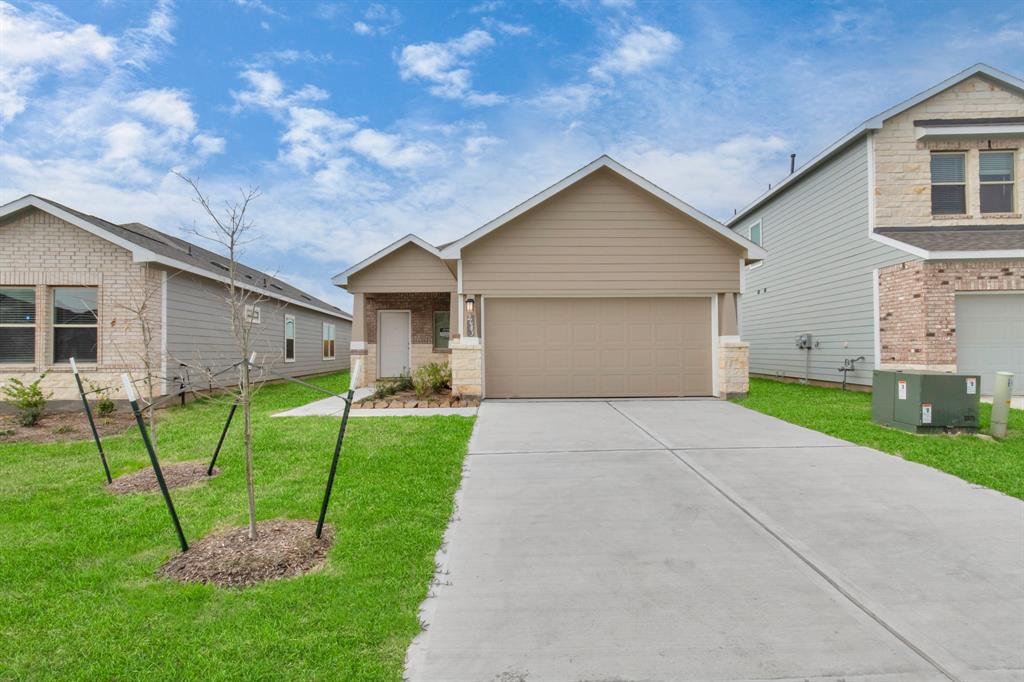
x=597 y=347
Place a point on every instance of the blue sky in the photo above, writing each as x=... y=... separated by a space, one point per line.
x=362 y=122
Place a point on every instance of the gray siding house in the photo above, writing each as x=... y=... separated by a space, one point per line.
x=902 y=242
x=71 y=285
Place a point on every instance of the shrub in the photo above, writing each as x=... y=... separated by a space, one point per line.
x=389 y=387
x=28 y=399
x=105 y=406
x=432 y=378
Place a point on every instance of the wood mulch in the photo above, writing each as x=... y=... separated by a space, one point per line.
x=283 y=548
x=177 y=475
x=60 y=427
x=409 y=399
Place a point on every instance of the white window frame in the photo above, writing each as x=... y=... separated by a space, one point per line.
x=1012 y=182
x=332 y=338
x=760 y=239
x=21 y=325
x=932 y=183
x=54 y=326
x=287 y=319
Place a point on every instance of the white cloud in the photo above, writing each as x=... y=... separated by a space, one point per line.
x=208 y=145
x=618 y=3
x=314 y=136
x=38 y=42
x=267 y=91
x=486 y=6
x=378 y=20
x=445 y=65
x=639 y=49
x=507 y=28
x=391 y=151
x=259 y=6
x=477 y=144
x=139 y=46
x=568 y=99
x=167 y=107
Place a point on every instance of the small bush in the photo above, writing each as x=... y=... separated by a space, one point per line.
x=389 y=387
x=28 y=399
x=105 y=406
x=432 y=378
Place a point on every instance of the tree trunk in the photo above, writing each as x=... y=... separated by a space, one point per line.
x=247 y=420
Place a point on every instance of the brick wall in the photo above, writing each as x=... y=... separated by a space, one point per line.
x=917 y=306
x=43 y=251
x=422 y=306
x=903 y=164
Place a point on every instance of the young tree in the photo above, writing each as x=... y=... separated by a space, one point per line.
x=231 y=228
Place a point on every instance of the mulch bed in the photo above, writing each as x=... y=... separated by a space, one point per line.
x=58 y=427
x=409 y=399
x=283 y=549
x=176 y=475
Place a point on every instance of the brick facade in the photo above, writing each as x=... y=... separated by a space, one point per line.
x=423 y=306
x=902 y=184
x=917 y=307
x=43 y=251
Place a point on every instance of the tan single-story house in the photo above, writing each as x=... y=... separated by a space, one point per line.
x=602 y=285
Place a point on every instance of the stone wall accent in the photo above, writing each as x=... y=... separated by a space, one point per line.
x=43 y=251
x=467 y=369
x=903 y=164
x=917 y=307
x=422 y=305
x=733 y=368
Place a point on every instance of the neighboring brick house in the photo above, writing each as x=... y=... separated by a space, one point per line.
x=903 y=242
x=602 y=285
x=70 y=284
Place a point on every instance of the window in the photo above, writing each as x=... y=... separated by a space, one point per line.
x=949 y=195
x=754 y=235
x=328 y=341
x=74 y=324
x=996 y=181
x=289 y=338
x=17 y=324
x=442 y=328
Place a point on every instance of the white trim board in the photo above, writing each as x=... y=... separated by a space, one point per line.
x=144 y=255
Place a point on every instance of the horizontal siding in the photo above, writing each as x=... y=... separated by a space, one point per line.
x=818 y=276
x=199 y=331
x=409 y=269
x=601 y=236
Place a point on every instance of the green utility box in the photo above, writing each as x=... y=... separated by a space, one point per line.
x=925 y=402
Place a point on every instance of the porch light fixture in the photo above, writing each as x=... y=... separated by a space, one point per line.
x=470 y=317
x=470 y=305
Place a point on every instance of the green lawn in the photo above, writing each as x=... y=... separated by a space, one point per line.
x=78 y=595
x=847 y=415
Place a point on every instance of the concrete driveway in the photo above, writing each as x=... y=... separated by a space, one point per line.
x=698 y=540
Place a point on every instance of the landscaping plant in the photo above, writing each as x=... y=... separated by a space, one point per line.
x=432 y=378
x=28 y=399
x=388 y=387
x=231 y=229
x=105 y=406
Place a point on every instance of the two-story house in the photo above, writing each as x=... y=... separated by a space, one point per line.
x=903 y=242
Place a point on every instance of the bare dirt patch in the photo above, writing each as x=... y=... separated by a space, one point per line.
x=60 y=427
x=283 y=549
x=177 y=475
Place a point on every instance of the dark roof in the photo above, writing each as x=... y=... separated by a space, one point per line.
x=197 y=257
x=959 y=237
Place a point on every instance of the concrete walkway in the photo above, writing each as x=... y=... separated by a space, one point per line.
x=697 y=540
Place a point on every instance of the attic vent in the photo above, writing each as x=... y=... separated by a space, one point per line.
x=248 y=276
x=220 y=265
x=306 y=297
x=274 y=286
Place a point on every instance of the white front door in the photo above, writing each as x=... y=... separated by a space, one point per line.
x=393 y=342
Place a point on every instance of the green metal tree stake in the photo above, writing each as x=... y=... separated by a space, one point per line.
x=227 y=424
x=133 y=399
x=92 y=424
x=337 y=446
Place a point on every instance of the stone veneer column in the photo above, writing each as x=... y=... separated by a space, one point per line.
x=467 y=368
x=358 y=347
x=733 y=368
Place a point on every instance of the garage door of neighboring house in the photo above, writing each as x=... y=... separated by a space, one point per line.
x=990 y=337
x=597 y=347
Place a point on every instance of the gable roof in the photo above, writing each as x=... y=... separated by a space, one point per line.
x=153 y=246
x=754 y=252
x=341 y=279
x=875 y=123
